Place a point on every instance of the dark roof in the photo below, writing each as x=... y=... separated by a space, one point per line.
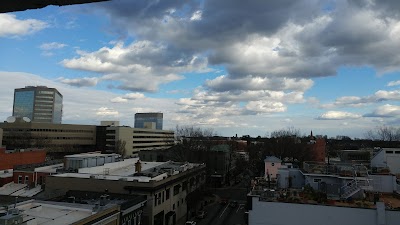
x=272 y=159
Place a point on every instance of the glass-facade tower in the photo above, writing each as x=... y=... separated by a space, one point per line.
x=40 y=104
x=142 y=118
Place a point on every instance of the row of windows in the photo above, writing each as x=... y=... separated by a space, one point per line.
x=391 y=152
x=43 y=101
x=47 y=130
x=44 y=97
x=43 y=106
x=148 y=141
x=42 y=118
x=159 y=198
x=165 y=195
x=152 y=132
x=43 y=114
x=54 y=138
x=46 y=92
x=20 y=180
x=44 y=109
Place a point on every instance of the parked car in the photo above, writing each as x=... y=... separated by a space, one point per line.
x=233 y=204
x=201 y=214
x=190 y=223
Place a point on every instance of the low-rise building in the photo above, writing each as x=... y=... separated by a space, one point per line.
x=59 y=213
x=53 y=137
x=271 y=165
x=386 y=158
x=167 y=185
x=267 y=208
x=11 y=158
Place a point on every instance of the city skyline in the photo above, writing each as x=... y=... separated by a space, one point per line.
x=331 y=67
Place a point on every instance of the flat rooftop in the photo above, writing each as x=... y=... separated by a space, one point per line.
x=53 y=213
x=126 y=170
x=391 y=201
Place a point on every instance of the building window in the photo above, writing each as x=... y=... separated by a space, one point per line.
x=159 y=198
x=155 y=200
x=184 y=185
x=389 y=152
x=19 y=179
x=173 y=207
x=167 y=194
x=176 y=189
x=272 y=164
x=26 y=179
x=316 y=180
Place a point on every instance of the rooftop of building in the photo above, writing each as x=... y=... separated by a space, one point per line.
x=272 y=159
x=92 y=155
x=46 y=167
x=335 y=168
x=6 y=173
x=54 y=213
x=9 y=151
x=20 y=190
x=307 y=196
x=126 y=170
x=93 y=198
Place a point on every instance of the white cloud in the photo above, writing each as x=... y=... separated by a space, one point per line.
x=118 y=100
x=104 y=111
x=52 y=45
x=338 y=115
x=226 y=83
x=393 y=83
x=196 y=15
x=137 y=64
x=355 y=101
x=385 y=111
x=10 y=26
x=80 y=82
x=387 y=95
x=126 y=97
x=265 y=107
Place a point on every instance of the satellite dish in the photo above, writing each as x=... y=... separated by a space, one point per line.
x=11 y=119
x=26 y=119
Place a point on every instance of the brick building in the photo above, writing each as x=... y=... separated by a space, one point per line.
x=9 y=159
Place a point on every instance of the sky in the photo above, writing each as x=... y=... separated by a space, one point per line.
x=238 y=67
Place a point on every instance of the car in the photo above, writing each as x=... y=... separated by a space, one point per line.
x=201 y=214
x=190 y=223
x=233 y=204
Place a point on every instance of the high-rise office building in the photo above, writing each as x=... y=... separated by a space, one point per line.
x=40 y=104
x=147 y=120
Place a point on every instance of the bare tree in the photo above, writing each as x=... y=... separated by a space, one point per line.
x=188 y=139
x=288 y=132
x=120 y=147
x=384 y=133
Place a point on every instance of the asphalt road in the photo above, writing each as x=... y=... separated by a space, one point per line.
x=224 y=214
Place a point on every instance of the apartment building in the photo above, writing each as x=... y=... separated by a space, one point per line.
x=167 y=185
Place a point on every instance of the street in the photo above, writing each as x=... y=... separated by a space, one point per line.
x=226 y=214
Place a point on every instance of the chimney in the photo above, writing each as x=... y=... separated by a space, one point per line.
x=138 y=167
